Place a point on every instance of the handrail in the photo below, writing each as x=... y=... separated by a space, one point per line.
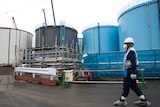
x=65 y=81
x=101 y=70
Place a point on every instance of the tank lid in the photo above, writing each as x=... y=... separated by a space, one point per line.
x=100 y=24
x=57 y=24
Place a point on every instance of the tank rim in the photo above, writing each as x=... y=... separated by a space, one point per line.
x=95 y=25
x=50 y=24
x=132 y=5
x=16 y=29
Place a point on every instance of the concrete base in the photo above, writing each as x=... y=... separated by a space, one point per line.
x=41 y=80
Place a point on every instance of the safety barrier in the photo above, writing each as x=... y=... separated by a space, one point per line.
x=148 y=59
x=67 y=78
x=45 y=71
x=37 y=75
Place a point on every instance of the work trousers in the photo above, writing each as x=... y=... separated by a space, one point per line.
x=130 y=83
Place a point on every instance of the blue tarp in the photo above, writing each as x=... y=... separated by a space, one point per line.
x=148 y=59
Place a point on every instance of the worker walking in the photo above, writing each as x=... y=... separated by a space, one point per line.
x=130 y=75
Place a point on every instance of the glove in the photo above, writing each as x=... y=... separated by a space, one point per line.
x=133 y=76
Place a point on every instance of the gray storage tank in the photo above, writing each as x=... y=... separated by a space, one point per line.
x=140 y=20
x=60 y=35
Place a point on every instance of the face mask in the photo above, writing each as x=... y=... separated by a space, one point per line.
x=125 y=46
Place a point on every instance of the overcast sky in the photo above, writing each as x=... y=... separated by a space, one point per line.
x=78 y=13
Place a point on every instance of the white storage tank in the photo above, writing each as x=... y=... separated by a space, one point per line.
x=12 y=40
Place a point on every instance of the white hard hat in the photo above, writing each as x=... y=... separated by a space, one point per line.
x=129 y=40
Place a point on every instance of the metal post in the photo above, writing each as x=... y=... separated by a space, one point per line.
x=16 y=49
x=64 y=79
x=19 y=62
x=99 y=50
x=51 y=77
x=33 y=75
x=143 y=84
x=149 y=25
x=9 y=47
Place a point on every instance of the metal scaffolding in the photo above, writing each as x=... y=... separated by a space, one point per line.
x=56 y=57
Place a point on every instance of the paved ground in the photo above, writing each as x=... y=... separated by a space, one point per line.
x=21 y=94
x=6 y=70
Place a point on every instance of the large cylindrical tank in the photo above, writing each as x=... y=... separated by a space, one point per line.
x=11 y=41
x=100 y=38
x=51 y=35
x=140 y=20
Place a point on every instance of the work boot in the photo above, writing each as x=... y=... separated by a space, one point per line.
x=120 y=103
x=142 y=103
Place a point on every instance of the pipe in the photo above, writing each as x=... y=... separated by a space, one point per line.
x=99 y=39
x=9 y=46
x=149 y=25
x=16 y=49
x=159 y=7
x=158 y=1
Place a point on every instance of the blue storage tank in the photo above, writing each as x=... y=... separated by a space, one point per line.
x=100 y=38
x=140 y=20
